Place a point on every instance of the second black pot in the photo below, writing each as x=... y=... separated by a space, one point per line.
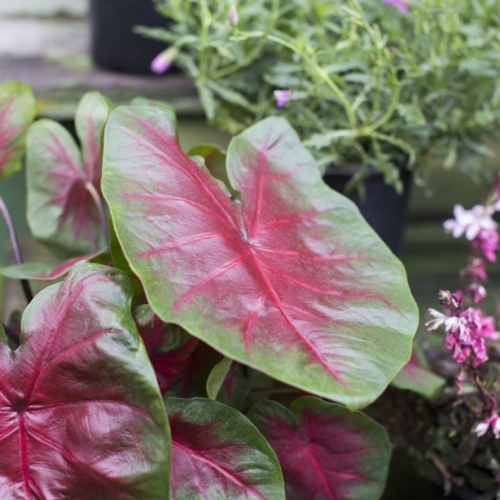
x=383 y=208
x=114 y=44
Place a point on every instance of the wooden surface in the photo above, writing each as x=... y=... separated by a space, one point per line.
x=52 y=56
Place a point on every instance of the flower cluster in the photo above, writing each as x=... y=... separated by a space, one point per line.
x=478 y=226
x=466 y=331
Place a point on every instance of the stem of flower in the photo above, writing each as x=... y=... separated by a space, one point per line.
x=97 y=200
x=11 y=335
x=15 y=247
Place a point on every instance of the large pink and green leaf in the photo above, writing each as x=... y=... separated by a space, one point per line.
x=167 y=345
x=291 y=280
x=218 y=454
x=326 y=452
x=17 y=111
x=61 y=210
x=81 y=415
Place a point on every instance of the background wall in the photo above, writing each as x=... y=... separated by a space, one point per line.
x=43 y=7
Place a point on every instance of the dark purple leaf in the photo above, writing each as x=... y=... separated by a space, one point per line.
x=326 y=452
x=81 y=414
x=167 y=345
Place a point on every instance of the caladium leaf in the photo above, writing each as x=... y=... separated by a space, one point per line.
x=45 y=272
x=120 y=262
x=17 y=111
x=218 y=454
x=64 y=182
x=167 y=345
x=325 y=450
x=236 y=385
x=291 y=280
x=81 y=413
x=415 y=377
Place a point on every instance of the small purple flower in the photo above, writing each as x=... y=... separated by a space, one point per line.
x=163 y=60
x=401 y=6
x=233 y=15
x=486 y=242
x=281 y=97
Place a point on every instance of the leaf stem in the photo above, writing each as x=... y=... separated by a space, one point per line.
x=97 y=200
x=15 y=247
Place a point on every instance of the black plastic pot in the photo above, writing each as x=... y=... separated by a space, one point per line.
x=383 y=208
x=114 y=44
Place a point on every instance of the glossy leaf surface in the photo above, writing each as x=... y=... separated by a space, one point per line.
x=326 y=452
x=17 y=111
x=81 y=414
x=61 y=211
x=167 y=345
x=291 y=280
x=217 y=454
x=45 y=272
x=415 y=377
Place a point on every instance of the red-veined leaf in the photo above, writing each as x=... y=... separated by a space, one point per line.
x=218 y=454
x=17 y=111
x=291 y=280
x=45 y=272
x=326 y=452
x=81 y=414
x=415 y=377
x=62 y=212
x=167 y=345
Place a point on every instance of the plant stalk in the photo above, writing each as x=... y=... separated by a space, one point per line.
x=97 y=200
x=15 y=247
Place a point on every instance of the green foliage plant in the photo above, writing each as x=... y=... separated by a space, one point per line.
x=371 y=87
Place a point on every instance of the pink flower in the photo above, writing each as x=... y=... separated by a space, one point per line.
x=434 y=324
x=450 y=341
x=487 y=326
x=477 y=292
x=470 y=222
x=163 y=60
x=476 y=270
x=480 y=352
x=461 y=354
x=486 y=242
x=233 y=15
x=493 y=420
x=281 y=97
x=455 y=324
x=402 y=6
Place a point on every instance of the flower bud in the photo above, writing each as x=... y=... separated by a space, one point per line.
x=163 y=60
x=448 y=300
x=233 y=15
x=281 y=97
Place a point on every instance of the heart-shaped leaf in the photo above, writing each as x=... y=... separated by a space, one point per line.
x=291 y=280
x=81 y=414
x=45 y=272
x=64 y=183
x=167 y=345
x=415 y=377
x=218 y=454
x=326 y=452
x=17 y=111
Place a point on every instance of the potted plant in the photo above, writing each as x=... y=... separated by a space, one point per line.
x=197 y=352
x=370 y=88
